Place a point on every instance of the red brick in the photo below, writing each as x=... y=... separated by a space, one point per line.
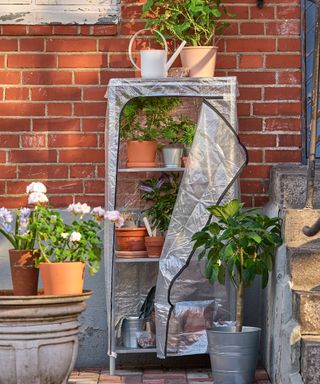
x=251 y=45
x=8 y=172
x=250 y=93
x=12 y=201
x=287 y=12
x=282 y=28
x=232 y=29
x=41 y=30
x=119 y=61
x=37 y=172
x=60 y=201
x=243 y=109
x=258 y=140
x=32 y=44
x=59 y=109
x=33 y=156
x=131 y=12
x=79 y=156
x=71 y=45
x=64 y=187
x=9 y=77
x=87 y=78
x=260 y=201
x=252 y=186
x=33 y=141
x=15 y=30
x=283 y=93
x=72 y=140
x=66 y=29
x=9 y=141
x=130 y=28
x=46 y=77
x=250 y=124
x=283 y=124
x=101 y=171
x=8 y=44
x=3 y=156
x=82 y=61
x=94 y=186
x=17 y=187
x=94 y=93
x=256 y=171
x=34 y=60
x=110 y=74
x=226 y=61
x=82 y=171
x=267 y=12
x=1 y=61
x=283 y=61
x=290 y=140
x=56 y=124
x=247 y=200
x=56 y=93
x=86 y=30
x=90 y=109
x=255 y=156
x=21 y=109
x=289 y=44
x=275 y=109
x=290 y=78
x=258 y=78
x=17 y=93
x=240 y=12
x=282 y=156
x=93 y=125
x=250 y=61
x=14 y=125
x=252 y=28
x=105 y=30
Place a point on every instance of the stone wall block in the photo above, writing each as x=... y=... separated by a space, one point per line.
x=310 y=359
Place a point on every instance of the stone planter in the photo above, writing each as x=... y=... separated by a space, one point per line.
x=39 y=337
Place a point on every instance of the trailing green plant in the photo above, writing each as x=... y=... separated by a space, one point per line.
x=143 y=117
x=241 y=243
x=162 y=193
x=179 y=131
x=198 y=22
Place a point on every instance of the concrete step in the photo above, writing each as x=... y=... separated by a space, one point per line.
x=310 y=359
x=307 y=312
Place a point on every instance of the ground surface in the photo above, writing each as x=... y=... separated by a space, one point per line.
x=156 y=376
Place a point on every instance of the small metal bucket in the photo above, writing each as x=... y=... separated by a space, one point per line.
x=130 y=326
x=233 y=355
x=172 y=156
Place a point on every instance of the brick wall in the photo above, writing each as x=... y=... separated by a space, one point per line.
x=53 y=79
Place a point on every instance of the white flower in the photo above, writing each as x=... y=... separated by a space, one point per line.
x=23 y=228
x=65 y=235
x=119 y=223
x=219 y=262
x=36 y=187
x=98 y=213
x=37 y=198
x=79 y=209
x=75 y=236
x=115 y=217
x=6 y=219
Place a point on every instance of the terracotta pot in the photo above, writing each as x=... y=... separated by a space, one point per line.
x=62 y=278
x=141 y=154
x=24 y=274
x=200 y=60
x=131 y=239
x=154 y=245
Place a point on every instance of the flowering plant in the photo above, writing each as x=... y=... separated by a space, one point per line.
x=78 y=241
x=22 y=233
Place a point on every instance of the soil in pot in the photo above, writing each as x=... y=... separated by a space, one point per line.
x=62 y=278
x=141 y=154
x=200 y=60
x=131 y=239
x=154 y=246
x=24 y=274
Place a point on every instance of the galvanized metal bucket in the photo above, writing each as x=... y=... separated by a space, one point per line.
x=233 y=354
x=130 y=326
x=172 y=156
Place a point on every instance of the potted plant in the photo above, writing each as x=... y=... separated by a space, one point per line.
x=130 y=238
x=65 y=249
x=177 y=133
x=162 y=193
x=22 y=236
x=198 y=22
x=241 y=244
x=140 y=125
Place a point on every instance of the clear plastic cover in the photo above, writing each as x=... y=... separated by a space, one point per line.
x=186 y=304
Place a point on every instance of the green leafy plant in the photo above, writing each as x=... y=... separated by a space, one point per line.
x=179 y=131
x=241 y=243
x=198 y=22
x=162 y=193
x=143 y=117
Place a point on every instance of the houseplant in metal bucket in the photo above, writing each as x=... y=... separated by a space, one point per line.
x=178 y=133
x=198 y=22
x=140 y=126
x=162 y=194
x=241 y=244
x=21 y=233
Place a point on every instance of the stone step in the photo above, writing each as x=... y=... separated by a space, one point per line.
x=307 y=312
x=310 y=359
x=303 y=265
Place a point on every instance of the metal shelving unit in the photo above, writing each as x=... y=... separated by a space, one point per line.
x=158 y=169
